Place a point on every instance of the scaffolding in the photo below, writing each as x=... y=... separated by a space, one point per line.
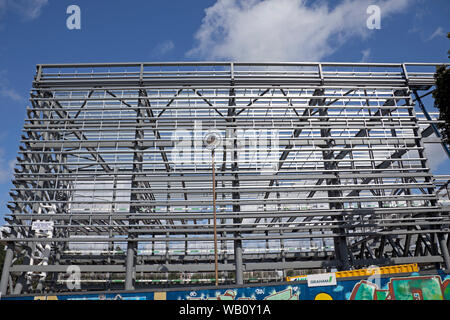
x=319 y=166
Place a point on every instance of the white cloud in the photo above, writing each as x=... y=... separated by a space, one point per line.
x=28 y=9
x=365 y=55
x=6 y=90
x=439 y=32
x=436 y=155
x=283 y=30
x=10 y=93
x=6 y=168
x=162 y=48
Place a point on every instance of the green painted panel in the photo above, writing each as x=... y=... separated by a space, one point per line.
x=429 y=287
x=365 y=292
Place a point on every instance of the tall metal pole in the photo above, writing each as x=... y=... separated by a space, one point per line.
x=6 y=267
x=216 y=268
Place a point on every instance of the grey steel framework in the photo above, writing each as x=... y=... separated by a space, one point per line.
x=98 y=188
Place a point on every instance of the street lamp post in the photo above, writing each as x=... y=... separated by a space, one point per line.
x=212 y=140
x=215 y=219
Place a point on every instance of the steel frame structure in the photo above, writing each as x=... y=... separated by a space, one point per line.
x=349 y=183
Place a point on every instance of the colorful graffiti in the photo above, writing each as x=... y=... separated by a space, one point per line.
x=146 y=296
x=410 y=287
x=290 y=293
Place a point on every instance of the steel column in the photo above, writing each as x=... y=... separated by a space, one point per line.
x=6 y=268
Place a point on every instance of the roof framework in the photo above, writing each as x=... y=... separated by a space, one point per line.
x=322 y=165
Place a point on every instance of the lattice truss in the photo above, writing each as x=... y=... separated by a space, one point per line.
x=320 y=166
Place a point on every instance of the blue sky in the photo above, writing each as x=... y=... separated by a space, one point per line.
x=34 y=31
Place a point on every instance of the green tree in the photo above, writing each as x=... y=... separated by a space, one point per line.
x=442 y=98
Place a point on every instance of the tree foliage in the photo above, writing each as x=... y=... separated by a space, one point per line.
x=442 y=98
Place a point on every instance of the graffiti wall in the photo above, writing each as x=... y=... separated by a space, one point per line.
x=409 y=287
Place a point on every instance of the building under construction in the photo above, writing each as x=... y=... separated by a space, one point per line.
x=316 y=166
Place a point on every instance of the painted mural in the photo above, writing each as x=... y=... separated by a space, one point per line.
x=410 y=287
x=259 y=293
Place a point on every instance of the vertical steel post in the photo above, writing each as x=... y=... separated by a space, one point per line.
x=444 y=251
x=6 y=267
x=238 y=259
x=130 y=266
x=235 y=182
x=134 y=207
